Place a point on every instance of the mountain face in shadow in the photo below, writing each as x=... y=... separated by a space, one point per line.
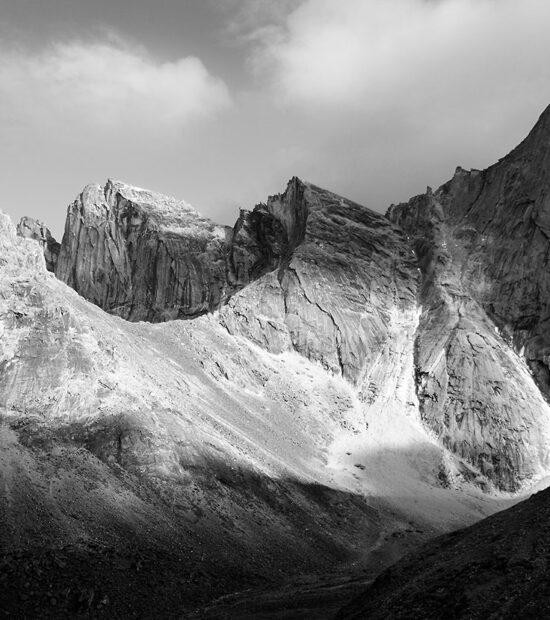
x=494 y=569
x=346 y=385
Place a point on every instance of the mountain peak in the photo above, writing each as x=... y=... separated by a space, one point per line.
x=537 y=142
x=153 y=203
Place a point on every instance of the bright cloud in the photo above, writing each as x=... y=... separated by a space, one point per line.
x=105 y=85
x=361 y=53
x=373 y=99
x=387 y=96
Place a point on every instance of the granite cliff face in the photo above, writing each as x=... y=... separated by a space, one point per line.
x=327 y=277
x=347 y=283
x=144 y=256
x=482 y=245
x=29 y=228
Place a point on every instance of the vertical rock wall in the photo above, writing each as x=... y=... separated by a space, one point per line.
x=482 y=346
x=29 y=228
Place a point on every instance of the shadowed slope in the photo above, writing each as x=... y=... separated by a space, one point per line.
x=497 y=568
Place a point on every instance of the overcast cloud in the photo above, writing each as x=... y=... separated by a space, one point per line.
x=362 y=54
x=373 y=99
x=105 y=85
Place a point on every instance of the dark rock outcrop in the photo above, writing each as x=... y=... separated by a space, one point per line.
x=497 y=568
x=28 y=228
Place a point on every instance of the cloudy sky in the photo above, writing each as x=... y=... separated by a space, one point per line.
x=220 y=102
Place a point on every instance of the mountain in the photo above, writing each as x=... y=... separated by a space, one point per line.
x=409 y=313
x=483 y=245
x=145 y=256
x=340 y=285
x=482 y=242
x=344 y=386
x=153 y=467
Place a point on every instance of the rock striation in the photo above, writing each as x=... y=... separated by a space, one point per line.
x=145 y=256
x=337 y=274
x=29 y=228
x=483 y=242
x=142 y=256
x=339 y=292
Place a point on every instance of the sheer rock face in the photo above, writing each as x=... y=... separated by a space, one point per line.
x=326 y=277
x=141 y=255
x=482 y=242
x=344 y=297
x=144 y=256
x=30 y=228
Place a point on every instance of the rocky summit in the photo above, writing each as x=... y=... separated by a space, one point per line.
x=32 y=229
x=144 y=256
x=344 y=386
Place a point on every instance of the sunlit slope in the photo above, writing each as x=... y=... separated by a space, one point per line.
x=183 y=437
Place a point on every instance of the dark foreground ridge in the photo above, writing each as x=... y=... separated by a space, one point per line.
x=497 y=568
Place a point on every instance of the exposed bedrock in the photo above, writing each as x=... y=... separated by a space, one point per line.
x=482 y=242
x=438 y=310
x=323 y=276
x=144 y=256
x=339 y=297
x=29 y=228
